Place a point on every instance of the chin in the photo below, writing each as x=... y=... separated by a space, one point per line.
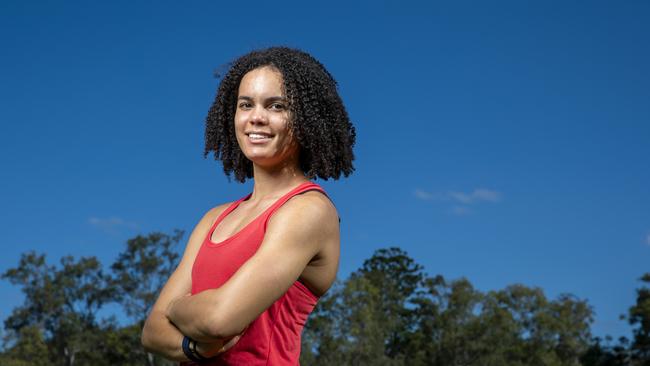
x=260 y=160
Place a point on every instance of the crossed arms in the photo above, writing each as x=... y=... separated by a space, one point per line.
x=214 y=318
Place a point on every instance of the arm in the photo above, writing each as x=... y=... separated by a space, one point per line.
x=296 y=233
x=159 y=335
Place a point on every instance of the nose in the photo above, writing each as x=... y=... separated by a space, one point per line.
x=258 y=116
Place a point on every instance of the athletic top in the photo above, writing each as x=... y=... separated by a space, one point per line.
x=274 y=337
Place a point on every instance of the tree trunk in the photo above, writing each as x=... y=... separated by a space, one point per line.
x=69 y=355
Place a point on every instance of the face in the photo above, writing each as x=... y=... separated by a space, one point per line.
x=262 y=119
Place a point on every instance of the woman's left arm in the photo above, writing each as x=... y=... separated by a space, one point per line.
x=295 y=234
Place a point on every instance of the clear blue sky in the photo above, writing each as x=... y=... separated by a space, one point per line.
x=507 y=142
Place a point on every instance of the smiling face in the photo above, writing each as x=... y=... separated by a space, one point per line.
x=262 y=119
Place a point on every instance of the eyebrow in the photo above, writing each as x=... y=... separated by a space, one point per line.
x=269 y=99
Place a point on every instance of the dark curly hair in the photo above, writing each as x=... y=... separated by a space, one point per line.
x=319 y=119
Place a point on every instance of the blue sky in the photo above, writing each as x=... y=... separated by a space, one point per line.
x=506 y=142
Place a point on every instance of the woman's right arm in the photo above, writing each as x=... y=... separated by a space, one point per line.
x=159 y=335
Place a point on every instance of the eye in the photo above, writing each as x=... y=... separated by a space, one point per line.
x=244 y=105
x=277 y=106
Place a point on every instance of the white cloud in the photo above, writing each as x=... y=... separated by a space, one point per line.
x=112 y=224
x=487 y=195
x=423 y=195
x=479 y=194
x=460 y=200
x=460 y=197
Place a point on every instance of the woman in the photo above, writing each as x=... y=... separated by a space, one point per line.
x=253 y=269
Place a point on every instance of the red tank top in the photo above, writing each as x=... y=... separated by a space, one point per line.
x=274 y=337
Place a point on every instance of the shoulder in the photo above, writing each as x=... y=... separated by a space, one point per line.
x=312 y=204
x=214 y=212
x=201 y=229
x=210 y=217
x=308 y=212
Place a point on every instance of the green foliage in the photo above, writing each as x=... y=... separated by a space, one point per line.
x=634 y=353
x=139 y=273
x=60 y=304
x=142 y=269
x=57 y=323
x=29 y=349
x=600 y=354
x=388 y=313
x=640 y=318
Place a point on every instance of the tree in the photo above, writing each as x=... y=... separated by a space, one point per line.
x=367 y=319
x=390 y=313
x=453 y=331
x=397 y=281
x=599 y=354
x=29 y=348
x=57 y=323
x=141 y=270
x=639 y=318
x=139 y=273
x=60 y=307
x=323 y=340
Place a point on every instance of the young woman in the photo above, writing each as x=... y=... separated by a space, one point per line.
x=253 y=269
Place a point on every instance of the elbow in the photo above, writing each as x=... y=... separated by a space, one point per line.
x=146 y=344
x=147 y=338
x=222 y=325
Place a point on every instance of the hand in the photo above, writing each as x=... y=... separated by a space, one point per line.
x=209 y=350
x=212 y=349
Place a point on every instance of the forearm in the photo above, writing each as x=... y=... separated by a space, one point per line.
x=160 y=336
x=196 y=316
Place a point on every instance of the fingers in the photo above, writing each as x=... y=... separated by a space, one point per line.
x=214 y=349
x=231 y=343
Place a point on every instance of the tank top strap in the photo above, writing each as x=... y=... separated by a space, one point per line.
x=225 y=212
x=307 y=186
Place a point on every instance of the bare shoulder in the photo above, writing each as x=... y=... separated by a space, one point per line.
x=212 y=214
x=309 y=207
x=310 y=214
x=202 y=227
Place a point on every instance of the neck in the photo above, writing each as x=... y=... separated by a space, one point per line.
x=275 y=181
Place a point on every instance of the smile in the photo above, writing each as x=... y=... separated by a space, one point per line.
x=258 y=137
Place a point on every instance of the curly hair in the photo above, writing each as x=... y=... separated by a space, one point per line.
x=320 y=122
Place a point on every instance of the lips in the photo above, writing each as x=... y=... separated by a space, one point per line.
x=258 y=136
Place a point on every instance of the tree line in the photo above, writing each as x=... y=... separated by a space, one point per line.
x=388 y=312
